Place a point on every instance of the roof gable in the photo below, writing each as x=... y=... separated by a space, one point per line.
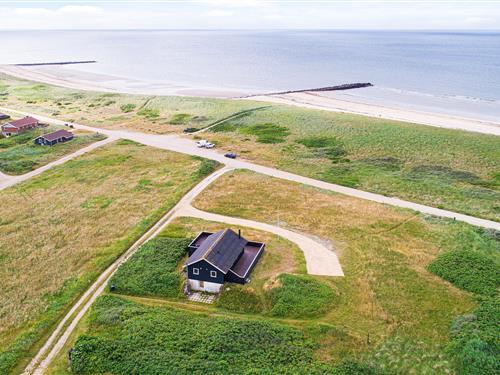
x=220 y=249
x=28 y=120
x=56 y=135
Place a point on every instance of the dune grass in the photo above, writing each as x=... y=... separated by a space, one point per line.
x=59 y=230
x=143 y=113
x=387 y=291
x=443 y=168
x=19 y=154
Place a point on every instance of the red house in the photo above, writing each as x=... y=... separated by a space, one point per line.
x=19 y=126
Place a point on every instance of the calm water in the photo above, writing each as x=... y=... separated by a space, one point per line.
x=464 y=67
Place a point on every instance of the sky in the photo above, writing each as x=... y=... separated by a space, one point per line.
x=252 y=14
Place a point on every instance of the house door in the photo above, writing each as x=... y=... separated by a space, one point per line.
x=202 y=284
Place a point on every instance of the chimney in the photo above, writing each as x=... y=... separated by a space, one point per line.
x=239 y=233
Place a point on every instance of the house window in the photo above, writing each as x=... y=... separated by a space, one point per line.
x=196 y=271
x=213 y=273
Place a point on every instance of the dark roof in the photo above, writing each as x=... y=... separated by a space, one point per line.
x=247 y=259
x=220 y=249
x=3 y=116
x=56 y=135
x=28 y=120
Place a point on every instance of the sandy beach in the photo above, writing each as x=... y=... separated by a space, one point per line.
x=329 y=101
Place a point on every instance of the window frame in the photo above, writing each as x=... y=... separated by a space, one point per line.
x=196 y=271
x=212 y=272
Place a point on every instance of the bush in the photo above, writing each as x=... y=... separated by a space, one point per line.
x=149 y=113
x=152 y=270
x=137 y=339
x=329 y=147
x=126 y=108
x=468 y=270
x=300 y=296
x=267 y=132
x=239 y=299
x=475 y=342
x=180 y=118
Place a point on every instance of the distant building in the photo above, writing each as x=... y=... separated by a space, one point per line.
x=19 y=126
x=215 y=258
x=3 y=116
x=55 y=137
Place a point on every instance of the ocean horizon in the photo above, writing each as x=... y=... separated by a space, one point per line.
x=449 y=72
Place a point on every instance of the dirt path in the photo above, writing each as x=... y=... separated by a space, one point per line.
x=7 y=181
x=319 y=259
x=187 y=146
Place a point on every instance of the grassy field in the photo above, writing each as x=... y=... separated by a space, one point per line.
x=443 y=168
x=390 y=309
x=149 y=114
x=19 y=155
x=59 y=230
x=389 y=313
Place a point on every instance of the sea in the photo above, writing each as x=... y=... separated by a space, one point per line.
x=448 y=72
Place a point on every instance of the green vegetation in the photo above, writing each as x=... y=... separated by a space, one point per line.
x=264 y=133
x=468 y=270
x=180 y=119
x=149 y=113
x=152 y=271
x=241 y=299
x=126 y=337
x=126 y=108
x=445 y=168
x=300 y=296
x=475 y=339
x=76 y=219
x=325 y=147
x=19 y=155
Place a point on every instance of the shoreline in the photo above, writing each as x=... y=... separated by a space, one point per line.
x=328 y=101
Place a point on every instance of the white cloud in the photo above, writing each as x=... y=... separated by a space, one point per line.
x=236 y=3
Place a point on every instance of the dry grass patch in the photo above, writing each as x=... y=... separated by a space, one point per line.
x=62 y=228
x=383 y=254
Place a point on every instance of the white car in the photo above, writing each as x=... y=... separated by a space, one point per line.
x=204 y=144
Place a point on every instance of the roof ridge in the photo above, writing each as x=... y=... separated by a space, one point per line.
x=212 y=246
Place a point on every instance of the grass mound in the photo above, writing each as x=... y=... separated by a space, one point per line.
x=152 y=271
x=238 y=299
x=128 y=338
x=149 y=113
x=267 y=132
x=468 y=270
x=300 y=296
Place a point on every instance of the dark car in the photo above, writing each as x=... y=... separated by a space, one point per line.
x=230 y=155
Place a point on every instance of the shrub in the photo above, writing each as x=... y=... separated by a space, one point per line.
x=329 y=147
x=239 y=299
x=475 y=342
x=267 y=132
x=180 y=119
x=149 y=113
x=137 y=339
x=152 y=270
x=300 y=296
x=206 y=167
x=468 y=270
x=126 y=108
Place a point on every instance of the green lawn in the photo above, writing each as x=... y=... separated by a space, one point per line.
x=19 y=155
x=443 y=168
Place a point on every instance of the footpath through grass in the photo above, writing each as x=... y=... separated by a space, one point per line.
x=19 y=154
x=61 y=229
x=450 y=169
